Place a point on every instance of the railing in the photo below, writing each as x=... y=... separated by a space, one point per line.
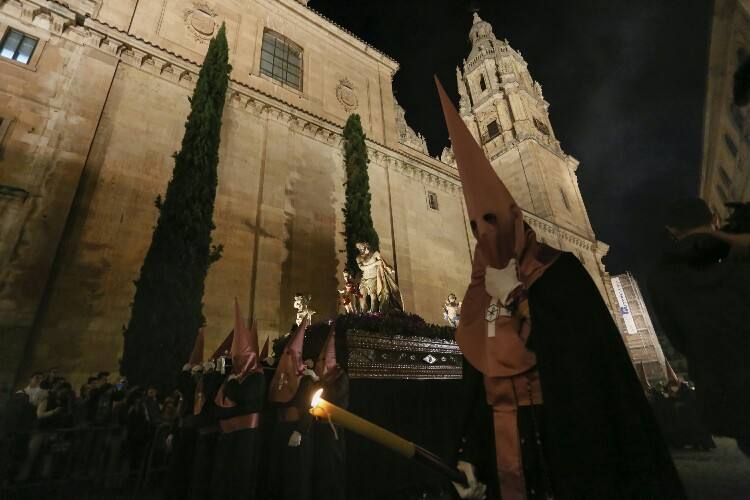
x=83 y=463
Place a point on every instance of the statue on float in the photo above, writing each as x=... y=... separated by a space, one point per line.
x=378 y=283
x=452 y=310
x=302 y=305
x=350 y=296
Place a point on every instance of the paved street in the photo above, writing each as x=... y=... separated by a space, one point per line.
x=721 y=474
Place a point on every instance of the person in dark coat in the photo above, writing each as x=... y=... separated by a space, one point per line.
x=700 y=291
x=238 y=406
x=567 y=413
x=177 y=483
x=206 y=423
x=329 y=454
x=292 y=446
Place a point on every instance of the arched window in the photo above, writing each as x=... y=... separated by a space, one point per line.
x=281 y=59
x=482 y=83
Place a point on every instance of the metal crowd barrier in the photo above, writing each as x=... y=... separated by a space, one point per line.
x=83 y=463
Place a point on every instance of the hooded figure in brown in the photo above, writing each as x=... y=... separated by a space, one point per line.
x=239 y=402
x=329 y=457
x=554 y=407
x=292 y=446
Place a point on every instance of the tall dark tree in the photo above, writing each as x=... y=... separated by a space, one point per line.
x=357 y=217
x=167 y=310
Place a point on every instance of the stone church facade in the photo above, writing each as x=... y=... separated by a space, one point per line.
x=93 y=98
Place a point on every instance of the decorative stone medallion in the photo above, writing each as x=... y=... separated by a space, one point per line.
x=200 y=21
x=345 y=94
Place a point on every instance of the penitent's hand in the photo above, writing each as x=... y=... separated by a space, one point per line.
x=295 y=439
x=309 y=373
x=474 y=490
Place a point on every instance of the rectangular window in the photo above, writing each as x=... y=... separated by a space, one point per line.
x=17 y=46
x=281 y=60
x=730 y=145
x=432 y=200
x=492 y=130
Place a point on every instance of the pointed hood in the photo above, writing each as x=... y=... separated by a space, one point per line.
x=244 y=348
x=264 y=351
x=485 y=194
x=326 y=366
x=493 y=330
x=291 y=365
x=196 y=357
x=224 y=346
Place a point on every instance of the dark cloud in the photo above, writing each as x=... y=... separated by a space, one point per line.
x=625 y=80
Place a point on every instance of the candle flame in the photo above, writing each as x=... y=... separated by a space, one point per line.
x=316 y=398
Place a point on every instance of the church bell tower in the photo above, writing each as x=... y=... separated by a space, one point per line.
x=506 y=112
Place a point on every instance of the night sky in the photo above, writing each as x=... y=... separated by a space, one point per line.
x=625 y=81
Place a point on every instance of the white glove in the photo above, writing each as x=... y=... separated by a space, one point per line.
x=474 y=490
x=209 y=366
x=233 y=376
x=295 y=439
x=270 y=360
x=196 y=369
x=501 y=283
x=311 y=374
x=187 y=367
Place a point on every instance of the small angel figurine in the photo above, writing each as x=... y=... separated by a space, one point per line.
x=452 y=310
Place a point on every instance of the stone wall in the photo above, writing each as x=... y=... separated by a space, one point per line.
x=99 y=119
x=52 y=106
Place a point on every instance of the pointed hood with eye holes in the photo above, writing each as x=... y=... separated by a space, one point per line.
x=244 y=351
x=288 y=374
x=507 y=260
x=326 y=366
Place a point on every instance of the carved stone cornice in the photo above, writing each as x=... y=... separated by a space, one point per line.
x=177 y=69
x=556 y=236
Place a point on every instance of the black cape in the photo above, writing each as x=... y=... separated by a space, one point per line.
x=205 y=446
x=600 y=438
x=329 y=454
x=291 y=472
x=237 y=453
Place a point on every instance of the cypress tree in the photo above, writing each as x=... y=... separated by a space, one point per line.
x=167 y=310
x=357 y=217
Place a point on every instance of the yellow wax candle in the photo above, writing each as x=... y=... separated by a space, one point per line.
x=323 y=409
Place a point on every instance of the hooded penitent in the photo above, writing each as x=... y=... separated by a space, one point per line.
x=244 y=353
x=326 y=366
x=291 y=365
x=224 y=346
x=264 y=351
x=196 y=357
x=495 y=323
x=507 y=261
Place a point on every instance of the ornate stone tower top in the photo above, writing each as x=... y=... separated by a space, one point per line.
x=499 y=99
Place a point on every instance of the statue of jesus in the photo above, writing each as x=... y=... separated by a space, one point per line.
x=378 y=283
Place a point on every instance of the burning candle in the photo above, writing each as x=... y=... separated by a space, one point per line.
x=323 y=409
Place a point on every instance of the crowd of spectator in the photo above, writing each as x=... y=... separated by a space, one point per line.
x=114 y=427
